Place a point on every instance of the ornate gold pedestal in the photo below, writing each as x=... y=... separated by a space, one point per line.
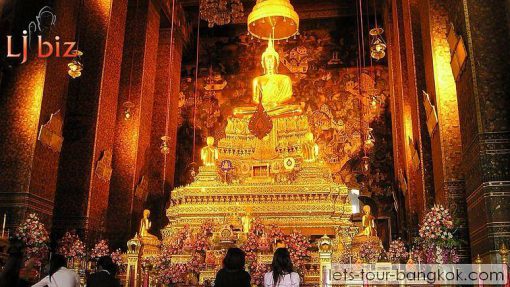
x=138 y=249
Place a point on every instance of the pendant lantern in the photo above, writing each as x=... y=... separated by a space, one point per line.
x=273 y=14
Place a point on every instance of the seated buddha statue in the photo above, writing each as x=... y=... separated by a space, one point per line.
x=209 y=153
x=273 y=90
x=145 y=225
x=367 y=223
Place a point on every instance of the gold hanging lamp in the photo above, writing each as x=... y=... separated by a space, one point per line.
x=273 y=14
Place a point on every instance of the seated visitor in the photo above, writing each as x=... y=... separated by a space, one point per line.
x=233 y=274
x=59 y=275
x=105 y=275
x=282 y=272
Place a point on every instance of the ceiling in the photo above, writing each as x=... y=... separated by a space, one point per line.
x=306 y=9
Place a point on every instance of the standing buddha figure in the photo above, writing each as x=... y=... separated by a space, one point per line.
x=273 y=90
x=310 y=149
x=209 y=153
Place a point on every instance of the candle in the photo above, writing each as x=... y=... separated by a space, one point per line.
x=3 y=225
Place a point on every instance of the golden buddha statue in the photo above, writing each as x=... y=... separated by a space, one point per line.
x=246 y=222
x=209 y=153
x=145 y=225
x=273 y=90
x=310 y=149
x=367 y=223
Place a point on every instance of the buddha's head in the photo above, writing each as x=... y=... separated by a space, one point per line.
x=366 y=209
x=146 y=213
x=270 y=59
x=210 y=141
x=309 y=136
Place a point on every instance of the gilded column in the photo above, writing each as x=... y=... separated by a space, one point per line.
x=165 y=112
x=130 y=164
x=483 y=87
x=85 y=164
x=32 y=99
x=412 y=148
x=445 y=129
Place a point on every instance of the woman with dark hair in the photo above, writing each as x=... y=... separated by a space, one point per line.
x=233 y=274
x=105 y=275
x=282 y=272
x=59 y=275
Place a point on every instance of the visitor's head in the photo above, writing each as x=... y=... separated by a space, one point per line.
x=234 y=260
x=106 y=263
x=281 y=264
x=57 y=261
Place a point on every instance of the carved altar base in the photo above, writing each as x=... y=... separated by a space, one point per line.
x=140 y=248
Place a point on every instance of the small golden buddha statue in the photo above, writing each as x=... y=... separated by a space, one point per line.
x=246 y=222
x=145 y=225
x=209 y=153
x=273 y=90
x=310 y=149
x=367 y=223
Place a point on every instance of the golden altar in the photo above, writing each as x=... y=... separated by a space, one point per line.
x=278 y=178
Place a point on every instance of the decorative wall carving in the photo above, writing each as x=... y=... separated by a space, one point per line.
x=104 y=166
x=50 y=133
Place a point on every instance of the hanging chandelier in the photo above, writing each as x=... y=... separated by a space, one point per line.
x=221 y=12
x=377 y=44
x=75 y=67
x=275 y=19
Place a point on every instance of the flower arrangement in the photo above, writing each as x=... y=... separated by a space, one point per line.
x=397 y=252
x=117 y=257
x=437 y=225
x=71 y=246
x=34 y=235
x=100 y=249
x=298 y=246
x=275 y=233
x=436 y=243
x=369 y=253
x=257 y=271
x=177 y=242
x=147 y=262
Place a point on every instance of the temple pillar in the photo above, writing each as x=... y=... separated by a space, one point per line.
x=128 y=189
x=165 y=119
x=30 y=94
x=444 y=130
x=483 y=86
x=413 y=163
x=85 y=165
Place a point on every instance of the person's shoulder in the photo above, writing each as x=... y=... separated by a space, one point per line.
x=294 y=276
x=245 y=273
x=268 y=274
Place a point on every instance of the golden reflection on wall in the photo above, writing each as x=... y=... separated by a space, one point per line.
x=445 y=95
x=30 y=94
x=103 y=7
